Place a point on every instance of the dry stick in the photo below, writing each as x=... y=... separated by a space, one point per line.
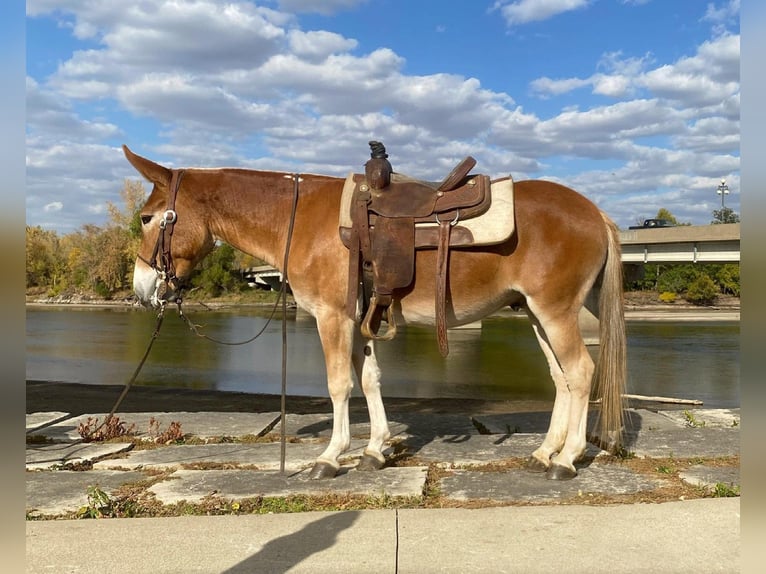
x=664 y=400
x=656 y=400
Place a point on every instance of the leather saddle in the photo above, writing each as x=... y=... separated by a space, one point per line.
x=394 y=215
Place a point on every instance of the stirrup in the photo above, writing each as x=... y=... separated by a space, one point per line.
x=366 y=323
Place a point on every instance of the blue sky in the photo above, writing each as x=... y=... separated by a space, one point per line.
x=634 y=103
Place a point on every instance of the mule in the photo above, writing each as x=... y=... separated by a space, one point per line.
x=564 y=253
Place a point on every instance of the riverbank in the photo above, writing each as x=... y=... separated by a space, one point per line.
x=639 y=305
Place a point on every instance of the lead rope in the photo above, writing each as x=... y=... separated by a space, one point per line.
x=283 y=400
x=282 y=295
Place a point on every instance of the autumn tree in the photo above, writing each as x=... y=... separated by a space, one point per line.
x=44 y=263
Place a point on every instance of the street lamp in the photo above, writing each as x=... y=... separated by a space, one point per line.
x=723 y=191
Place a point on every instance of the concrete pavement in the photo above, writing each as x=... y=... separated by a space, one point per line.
x=674 y=537
x=520 y=521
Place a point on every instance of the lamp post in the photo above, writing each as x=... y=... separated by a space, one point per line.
x=723 y=191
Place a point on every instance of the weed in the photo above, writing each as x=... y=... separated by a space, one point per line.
x=693 y=421
x=99 y=504
x=721 y=490
x=111 y=428
x=172 y=434
x=665 y=469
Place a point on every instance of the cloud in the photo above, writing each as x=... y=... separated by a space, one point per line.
x=53 y=207
x=525 y=11
x=247 y=86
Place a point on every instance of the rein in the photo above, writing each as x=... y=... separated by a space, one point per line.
x=166 y=270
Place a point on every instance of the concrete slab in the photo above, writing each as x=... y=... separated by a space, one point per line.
x=38 y=420
x=708 y=476
x=56 y=455
x=521 y=485
x=259 y=456
x=708 y=418
x=59 y=492
x=511 y=423
x=672 y=538
x=357 y=542
x=637 y=420
x=194 y=485
x=685 y=443
x=480 y=449
x=199 y=424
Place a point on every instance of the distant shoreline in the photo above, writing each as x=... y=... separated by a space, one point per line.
x=633 y=312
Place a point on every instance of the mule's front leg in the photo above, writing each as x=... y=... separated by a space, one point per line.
x=336 y=333
x=367 y=371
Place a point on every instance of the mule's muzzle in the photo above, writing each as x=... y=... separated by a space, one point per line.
x=154 y=289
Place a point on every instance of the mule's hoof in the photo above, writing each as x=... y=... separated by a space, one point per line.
x=535 y=465
x=323 y=470
x=370 y=462
x=560 y=472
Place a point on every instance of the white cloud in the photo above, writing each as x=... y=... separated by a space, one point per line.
x=525 y=11
x=725 y=12
x=315 y=46
x=247 y=86
x=53 y=207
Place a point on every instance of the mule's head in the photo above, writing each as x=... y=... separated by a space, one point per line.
x=174 y=233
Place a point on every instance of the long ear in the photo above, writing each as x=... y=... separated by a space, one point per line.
x=154 y=172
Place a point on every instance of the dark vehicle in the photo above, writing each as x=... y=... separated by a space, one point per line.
x=650 y=223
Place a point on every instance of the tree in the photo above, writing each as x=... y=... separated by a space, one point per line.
x=44 y=263
x=724 y=215
x=217 y=274
x=727 y=278
x=663 y=213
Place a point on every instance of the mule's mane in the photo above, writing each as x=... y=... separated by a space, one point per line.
x=247 y=170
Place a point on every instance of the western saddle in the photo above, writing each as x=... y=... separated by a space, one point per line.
x=393 y=215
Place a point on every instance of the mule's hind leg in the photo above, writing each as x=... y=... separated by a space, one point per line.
x=572 y=370
x=368 y=373
x=336 y=332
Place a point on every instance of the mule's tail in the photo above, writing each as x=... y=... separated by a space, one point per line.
x=611 y=373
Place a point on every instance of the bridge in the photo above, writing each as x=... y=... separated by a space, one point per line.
x=681 y=244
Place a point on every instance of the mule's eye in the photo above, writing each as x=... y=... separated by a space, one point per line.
x=145 y=219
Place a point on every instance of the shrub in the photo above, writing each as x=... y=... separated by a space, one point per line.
x=702 y=291
x=667 y=297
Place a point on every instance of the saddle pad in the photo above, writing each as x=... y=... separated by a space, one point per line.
x=494 y=226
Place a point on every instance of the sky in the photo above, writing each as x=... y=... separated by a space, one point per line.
x=633 y=103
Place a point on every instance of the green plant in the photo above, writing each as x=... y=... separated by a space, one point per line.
x=692 y=420
x=99 y=504
x=702 y=291
x=721 y=490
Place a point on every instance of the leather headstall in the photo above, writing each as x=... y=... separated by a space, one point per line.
x=166 y=268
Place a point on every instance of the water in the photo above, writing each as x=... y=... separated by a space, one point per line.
x=500 y=361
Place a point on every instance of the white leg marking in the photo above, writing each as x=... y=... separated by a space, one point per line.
x=369 y=374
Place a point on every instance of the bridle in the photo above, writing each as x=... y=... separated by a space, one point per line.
x=165 y=269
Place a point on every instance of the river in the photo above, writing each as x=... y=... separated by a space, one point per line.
x=499 y=361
